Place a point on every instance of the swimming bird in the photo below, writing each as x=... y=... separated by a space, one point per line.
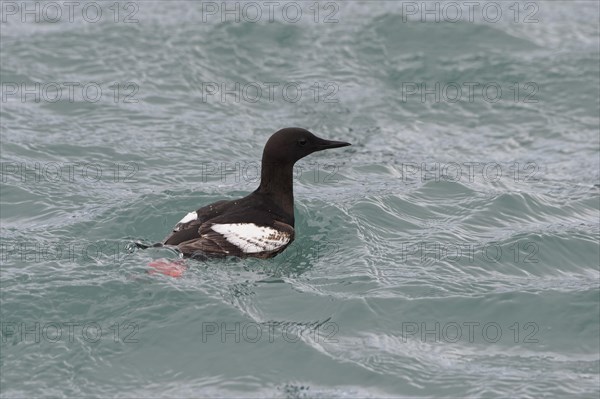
x=261 y=224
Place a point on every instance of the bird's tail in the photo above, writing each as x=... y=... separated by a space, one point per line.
x=141 y=245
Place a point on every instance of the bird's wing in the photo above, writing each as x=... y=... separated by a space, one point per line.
x=240 y=239
x=188 y=227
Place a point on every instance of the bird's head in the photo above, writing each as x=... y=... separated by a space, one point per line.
x=293 y=143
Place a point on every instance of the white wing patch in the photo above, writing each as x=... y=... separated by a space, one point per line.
x=251 y=238
x=189 y=217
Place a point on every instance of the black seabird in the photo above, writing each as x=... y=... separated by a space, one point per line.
x=261 y=224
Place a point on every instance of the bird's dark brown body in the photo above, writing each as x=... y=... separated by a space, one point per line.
x=262 y=223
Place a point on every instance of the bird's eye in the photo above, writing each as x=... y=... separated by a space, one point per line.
x=302 y=142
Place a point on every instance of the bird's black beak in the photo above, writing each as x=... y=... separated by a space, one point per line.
x=323 y=144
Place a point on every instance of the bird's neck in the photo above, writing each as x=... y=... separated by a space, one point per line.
x=277 y=182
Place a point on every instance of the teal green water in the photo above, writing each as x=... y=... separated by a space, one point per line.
x=452 y=251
